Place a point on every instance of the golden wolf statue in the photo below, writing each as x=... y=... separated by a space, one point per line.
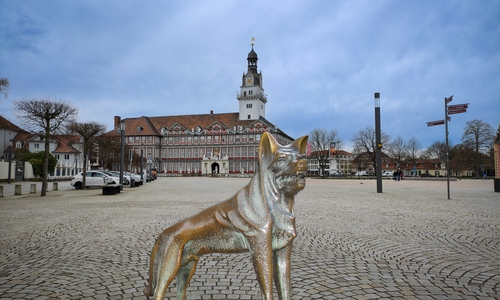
x=259 y=218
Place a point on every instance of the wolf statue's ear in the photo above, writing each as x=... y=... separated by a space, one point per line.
x=301 y=144
x=267 y=147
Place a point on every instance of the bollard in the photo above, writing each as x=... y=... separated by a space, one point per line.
x=55 y=186
x=32 y=188
x=18 y=190
x=1 y=190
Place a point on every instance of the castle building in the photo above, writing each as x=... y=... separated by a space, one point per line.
x=203 y=144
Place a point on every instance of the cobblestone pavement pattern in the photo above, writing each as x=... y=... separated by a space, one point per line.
x=409 y=242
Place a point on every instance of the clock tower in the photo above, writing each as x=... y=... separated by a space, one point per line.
x=251 y=96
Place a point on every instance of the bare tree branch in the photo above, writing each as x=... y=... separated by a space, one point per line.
x=46 y=118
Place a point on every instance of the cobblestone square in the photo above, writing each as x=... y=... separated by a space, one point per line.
x=410 y=242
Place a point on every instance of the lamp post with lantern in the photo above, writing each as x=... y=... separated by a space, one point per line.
x=378 y=141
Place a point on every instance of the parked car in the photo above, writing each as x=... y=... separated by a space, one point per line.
x=361 y=173
x=388 y=174
x=136 y=177
x=126 y=178
x=93 y=178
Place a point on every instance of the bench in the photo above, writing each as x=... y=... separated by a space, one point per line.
x=111 y=189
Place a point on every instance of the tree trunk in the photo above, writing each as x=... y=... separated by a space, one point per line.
x=45 y=172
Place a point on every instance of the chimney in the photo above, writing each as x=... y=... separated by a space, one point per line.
x=211 y=112
x=117 y=120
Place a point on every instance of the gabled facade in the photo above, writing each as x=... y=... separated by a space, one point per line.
x=340 y=162
x=213 y=143
x=8 y=133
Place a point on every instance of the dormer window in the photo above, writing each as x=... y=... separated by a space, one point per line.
x=140 y=129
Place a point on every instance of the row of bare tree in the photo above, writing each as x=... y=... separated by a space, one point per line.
x=474 y=153
x=49 y=118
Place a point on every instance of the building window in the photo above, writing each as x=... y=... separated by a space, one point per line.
x=202 y=139
x=244 y=151
x=176 y=140
x=139 y=128
x=237 y=151
x=216 y=138
x=231 y=138
x=189 y=139
x=57 y=156
x=18 y=145
x=249 y=105
x=251 y=152
x=249 y=117
x=209 y=139
x=143 y=139
x=66 y=156
x=195 y=139
x=37 y=146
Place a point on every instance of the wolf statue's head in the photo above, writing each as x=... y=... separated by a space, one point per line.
x=284 y=166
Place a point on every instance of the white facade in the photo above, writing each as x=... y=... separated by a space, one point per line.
x=252 y=100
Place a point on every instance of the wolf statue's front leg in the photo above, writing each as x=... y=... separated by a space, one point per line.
x=282 y=272
x=262 y=258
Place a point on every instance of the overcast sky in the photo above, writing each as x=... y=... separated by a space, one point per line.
x=322 y=61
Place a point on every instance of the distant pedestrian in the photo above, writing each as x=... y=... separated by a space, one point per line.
x=485 y=176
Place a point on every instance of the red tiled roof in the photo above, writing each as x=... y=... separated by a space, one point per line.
x=65 y=143
x=153 y=125
x=7 y=125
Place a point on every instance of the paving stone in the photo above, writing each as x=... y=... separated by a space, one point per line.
x=409 y=242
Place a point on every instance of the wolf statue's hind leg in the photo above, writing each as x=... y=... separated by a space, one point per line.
x=149 y=290
x=184 y=276
x=169 y=267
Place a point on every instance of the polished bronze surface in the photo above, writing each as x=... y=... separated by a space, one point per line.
x=259 y=218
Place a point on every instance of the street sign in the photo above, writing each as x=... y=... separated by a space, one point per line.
x=458 y=106
x=457 y=111
x=434 y=123
x=449 y=99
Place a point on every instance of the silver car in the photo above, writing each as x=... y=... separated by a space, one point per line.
x=93 y=178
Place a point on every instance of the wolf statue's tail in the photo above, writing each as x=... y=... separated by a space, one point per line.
x=149 y=290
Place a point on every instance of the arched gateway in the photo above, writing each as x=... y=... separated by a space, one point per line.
x=215 y=165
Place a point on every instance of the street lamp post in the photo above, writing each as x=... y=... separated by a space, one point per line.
x=10 y=162
x=122 y=150
x=378 y=141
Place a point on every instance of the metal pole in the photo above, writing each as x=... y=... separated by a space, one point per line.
x=378 y=141
x=10 y=162
x=122 y=150
x=446 y=100
x=142 y=172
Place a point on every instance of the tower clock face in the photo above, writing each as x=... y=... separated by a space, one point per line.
x=249 y=81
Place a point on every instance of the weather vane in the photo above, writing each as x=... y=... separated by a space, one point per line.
x=253 y=41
